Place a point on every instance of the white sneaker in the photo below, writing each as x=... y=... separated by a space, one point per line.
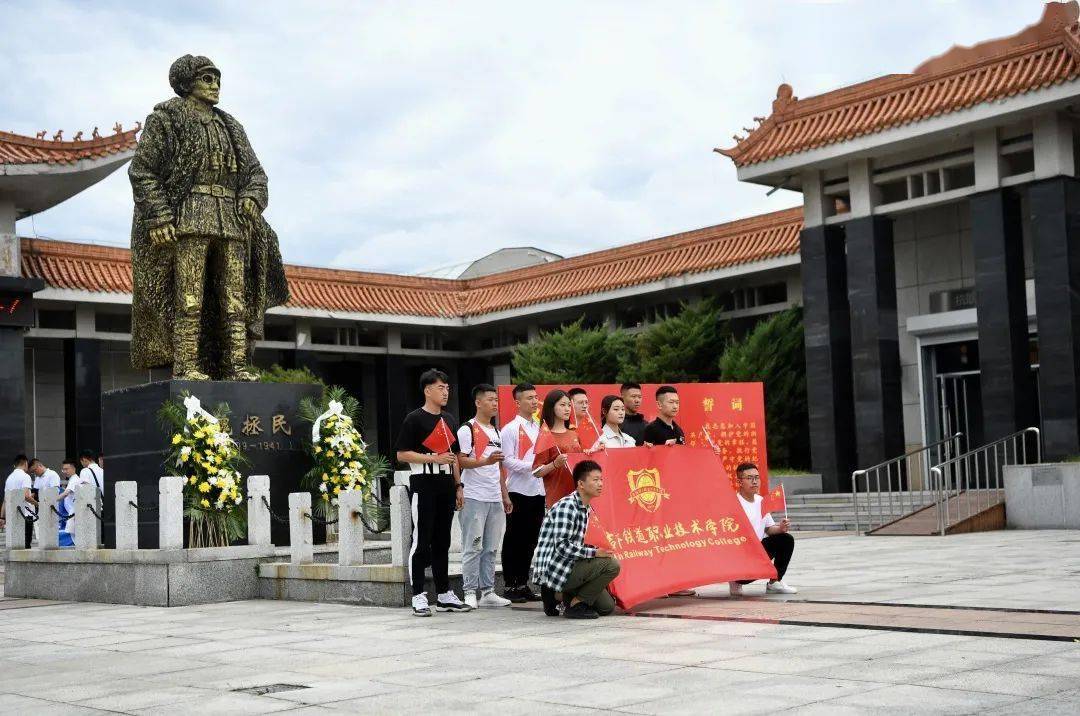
x=735 y=588
x=778 y=587
x=449 y=602
x=470 y=600
x=491 y=599
x=420 y=606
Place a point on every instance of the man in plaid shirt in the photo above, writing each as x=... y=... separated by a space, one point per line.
x=564 y=563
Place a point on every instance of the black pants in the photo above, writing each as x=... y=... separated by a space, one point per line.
x=779 y=548
x=433 y=503
x=29 y=532
x=519 y=541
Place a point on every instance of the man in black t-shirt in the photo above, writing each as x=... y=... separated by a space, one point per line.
x=664 y=430
x=428 y=443
x=634 y=423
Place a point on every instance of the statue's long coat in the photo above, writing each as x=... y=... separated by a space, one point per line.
x=162 y=174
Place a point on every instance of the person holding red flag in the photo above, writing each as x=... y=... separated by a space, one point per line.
x=428 y=445
x=483 y=517
x=587 y=430
x=775 y=537
x=526 y=490
x=613 y=413
x=556 y=439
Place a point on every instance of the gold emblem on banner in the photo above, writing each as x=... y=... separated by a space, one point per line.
x=645 y=488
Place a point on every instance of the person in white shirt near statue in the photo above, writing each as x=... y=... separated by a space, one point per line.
x=775 y=536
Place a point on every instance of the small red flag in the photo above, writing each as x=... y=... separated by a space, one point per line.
x=774 y=501
x=439 y=441
x=545 y=440
x=525 y=443
x=480 y=440
x=588 y=433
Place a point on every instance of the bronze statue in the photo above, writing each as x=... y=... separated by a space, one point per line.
x=205 y=264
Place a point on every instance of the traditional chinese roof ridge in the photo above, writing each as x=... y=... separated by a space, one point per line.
x=19 y=149
x=68 y=265
x=1039 y=56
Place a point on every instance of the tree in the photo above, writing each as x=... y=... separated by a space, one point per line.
x=573 y=354
x=773 y=354
x=681 y=349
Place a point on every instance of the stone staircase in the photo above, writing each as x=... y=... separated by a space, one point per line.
x=830 y=512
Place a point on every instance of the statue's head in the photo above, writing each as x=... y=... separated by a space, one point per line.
x=197 y=77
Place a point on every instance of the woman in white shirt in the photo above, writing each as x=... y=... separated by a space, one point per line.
x=613 y=412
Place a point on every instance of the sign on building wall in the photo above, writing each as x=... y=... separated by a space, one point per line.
x=732 y=415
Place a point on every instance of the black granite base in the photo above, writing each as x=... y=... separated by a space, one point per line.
x=264 y=422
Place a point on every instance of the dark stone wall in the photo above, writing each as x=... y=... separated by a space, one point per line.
x=82 y=395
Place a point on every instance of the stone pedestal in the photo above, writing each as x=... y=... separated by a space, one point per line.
x=264 y=422
x=1043 y=497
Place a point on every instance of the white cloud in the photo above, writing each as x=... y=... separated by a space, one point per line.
x=402 y=136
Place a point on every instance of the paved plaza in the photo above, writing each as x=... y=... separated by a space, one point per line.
x=720 y=657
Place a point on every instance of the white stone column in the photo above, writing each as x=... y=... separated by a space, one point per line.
x=9 y=241
x=987 y=156
x=14 y=530
x=258 y=518
x=861 y=189
x=1052 y=145
x=815 y=202
x=48 y=523
x=350 y=528
x=127 y=516
x=87 y=526
x=400 y=525
x=171 y=512
x=301 y=544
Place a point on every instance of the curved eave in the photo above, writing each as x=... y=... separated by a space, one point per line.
x=37 y=187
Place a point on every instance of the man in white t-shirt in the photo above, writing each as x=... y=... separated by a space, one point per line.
x=20 y=479
x=92 y=472
x=44 y=477
x=67 y=496
x=775 y=538
x=526 y=492
x=483 y=517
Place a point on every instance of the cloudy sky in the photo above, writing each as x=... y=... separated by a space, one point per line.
x=406 y=136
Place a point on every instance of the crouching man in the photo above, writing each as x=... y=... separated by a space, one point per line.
x=776 y=540
x=563 y=565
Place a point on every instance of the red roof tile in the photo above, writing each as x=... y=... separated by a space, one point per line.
x=1041 y=55
x=68 y=265
x=17 y=149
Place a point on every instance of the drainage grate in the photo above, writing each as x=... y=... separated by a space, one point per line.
x=270 y=689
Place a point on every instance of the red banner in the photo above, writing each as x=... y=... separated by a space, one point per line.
x=733 y=414
x=668 y=525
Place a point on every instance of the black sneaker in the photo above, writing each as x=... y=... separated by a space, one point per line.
x=551 y=607
x=581 y=610
x=515 y=595
x=449 y=602
x=530 y=595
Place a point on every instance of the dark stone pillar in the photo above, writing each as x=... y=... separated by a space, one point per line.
x=12 y=396
x=395 y=401
x=1004 y=366
x=82 y=395
x=828 y=356
x=1055 y=225
x=875 y=341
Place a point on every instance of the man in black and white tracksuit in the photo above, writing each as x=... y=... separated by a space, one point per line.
x=428 y=443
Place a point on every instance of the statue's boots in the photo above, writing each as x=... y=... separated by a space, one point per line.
x=236 y=351
x=186 y=348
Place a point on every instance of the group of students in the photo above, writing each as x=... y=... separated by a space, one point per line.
x=515 y=490
x=33 y=478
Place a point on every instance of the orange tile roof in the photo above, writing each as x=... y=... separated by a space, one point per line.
x=17 y=149
x=1041 y=55
x=69 y=265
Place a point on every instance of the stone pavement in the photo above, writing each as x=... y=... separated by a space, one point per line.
x=86 y=658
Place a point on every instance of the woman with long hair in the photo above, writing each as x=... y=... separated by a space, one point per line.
x=612 y=414
x=556 y=439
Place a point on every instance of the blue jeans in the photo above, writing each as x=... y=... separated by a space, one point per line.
x=482 y=527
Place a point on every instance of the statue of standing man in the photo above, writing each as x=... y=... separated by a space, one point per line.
x=205 y=264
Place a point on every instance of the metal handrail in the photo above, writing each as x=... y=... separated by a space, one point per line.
x=962 y=474
x=899 y=463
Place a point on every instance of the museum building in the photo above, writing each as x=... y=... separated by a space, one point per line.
x=937 y=257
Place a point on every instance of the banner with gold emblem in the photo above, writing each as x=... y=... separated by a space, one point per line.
x=663 y=517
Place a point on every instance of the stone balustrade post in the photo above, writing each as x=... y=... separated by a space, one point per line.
x=301 y=543
x=16 y=534
x=350 y=528
x=258 y=522
x=401 y=526
x=127 y=515
x=48 y=523
x=87 y=525
x=171 y=512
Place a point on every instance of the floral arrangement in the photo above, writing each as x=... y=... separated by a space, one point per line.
x=202 y=451
x=341 y=458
